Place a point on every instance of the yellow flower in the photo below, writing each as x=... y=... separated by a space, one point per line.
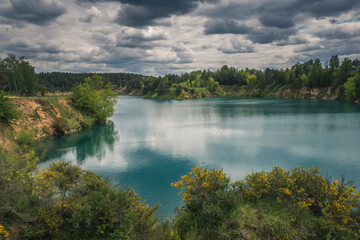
x=287 y=191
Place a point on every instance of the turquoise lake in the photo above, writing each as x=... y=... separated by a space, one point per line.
x=151 y=143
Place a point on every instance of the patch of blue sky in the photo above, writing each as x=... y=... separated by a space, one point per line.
x=348 y=20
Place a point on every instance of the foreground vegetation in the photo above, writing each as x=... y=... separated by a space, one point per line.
x=65 y=202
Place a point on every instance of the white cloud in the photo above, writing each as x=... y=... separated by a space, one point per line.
x=84 y=37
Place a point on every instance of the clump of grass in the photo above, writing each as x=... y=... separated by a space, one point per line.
x=25 y=138
x=87 y=122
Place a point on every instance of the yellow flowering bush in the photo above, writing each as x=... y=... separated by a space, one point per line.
x=208 y=202
x=77 y=204
x=332 y=202
x=3 y=232
x=200 y=182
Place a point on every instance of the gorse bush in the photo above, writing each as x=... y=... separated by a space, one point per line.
x=333 y=204
x=64 y=201
x=207 y=202
x=295 y=204
x=80 y=205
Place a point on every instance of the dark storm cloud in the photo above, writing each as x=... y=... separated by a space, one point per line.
x=337 y=33
x=223 y=26
x=102 y=38
x=279 y=21
x=274 y=11
x=140 y=13
x=23 y=46
x=324 y=8
x=139 y=39
x=236 y=47
x=309 y=48
x=295 y=40
x=88 y=18
x=39 y=12
x=260 y=35
x=325 y=51
x=269 y=35
x=183 y=54
x=278 y=18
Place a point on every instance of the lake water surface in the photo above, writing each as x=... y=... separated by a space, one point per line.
x=151 y=143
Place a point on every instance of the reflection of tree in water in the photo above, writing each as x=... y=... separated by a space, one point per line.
x=88 y=143
x=256 y=107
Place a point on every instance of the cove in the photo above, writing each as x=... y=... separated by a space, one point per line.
x=150 y=143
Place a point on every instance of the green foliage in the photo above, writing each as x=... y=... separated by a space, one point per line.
x=7 y=110
x=65 y=202
x=251 y=79
x=93 y=97
x=16 y=188
x=25 y=138
x=77 y=204
x=60 y=126
x=19 y=76
x=350 y=88
x=86 y=122
x=295 y=204
x=332 y=204
x=207 y=202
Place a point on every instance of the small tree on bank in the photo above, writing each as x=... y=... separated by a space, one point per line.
x=7 y=110
x=352 y=87
x=95 y=98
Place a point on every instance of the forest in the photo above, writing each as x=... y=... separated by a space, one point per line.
x=18 y=76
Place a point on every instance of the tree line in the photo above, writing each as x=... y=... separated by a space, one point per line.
x=309 y=74
x=343 y=77
x=65 y=81
x=18 y=76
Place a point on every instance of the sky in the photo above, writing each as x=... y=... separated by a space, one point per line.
x=157 y=37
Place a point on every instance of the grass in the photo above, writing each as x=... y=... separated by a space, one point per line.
x=269 y=220
x=25 y=138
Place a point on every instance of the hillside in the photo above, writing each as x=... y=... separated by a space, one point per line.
x=41 y=117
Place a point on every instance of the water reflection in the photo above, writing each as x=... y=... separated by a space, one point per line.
x=152 y=143
x=92 y=142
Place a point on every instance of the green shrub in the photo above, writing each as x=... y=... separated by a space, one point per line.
x=335 y=205
x=87 y=122
x=25 y=138
x=7 y=110
x=77 y=204
x=350 y=90
x=60 y=126
x=94 y=98
x=208 y=203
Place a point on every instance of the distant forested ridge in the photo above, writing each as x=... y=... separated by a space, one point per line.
x=335 y=80
x=65 y=81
